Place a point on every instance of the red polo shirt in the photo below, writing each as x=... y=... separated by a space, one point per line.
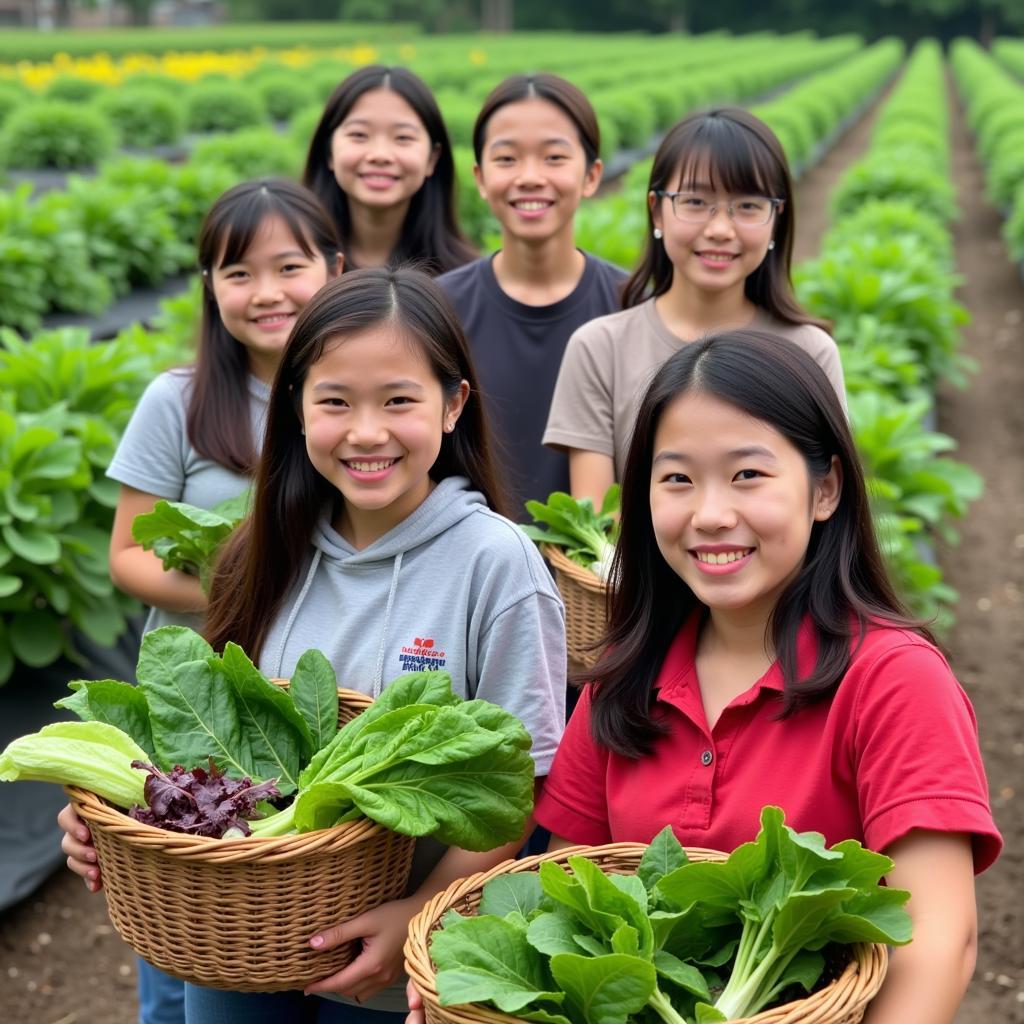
x=896 y=748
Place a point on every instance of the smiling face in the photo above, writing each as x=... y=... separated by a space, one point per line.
x=533 y=170
x=381 y=152
x=374 y=414
x=260 y=296
x=720 y=254
x=732 y=504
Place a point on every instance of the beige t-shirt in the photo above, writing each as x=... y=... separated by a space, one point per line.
x=609 y=362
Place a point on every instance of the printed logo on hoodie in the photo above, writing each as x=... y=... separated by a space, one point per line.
x=423 y=654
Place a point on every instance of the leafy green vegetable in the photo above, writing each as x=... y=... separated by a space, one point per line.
x=792 y=894
x=91 y=755
x=314 y=691
x=116 y=703
x=588 y=536
x=422 y=762
x=588 y=948
x=192 y=704
x=188 y=538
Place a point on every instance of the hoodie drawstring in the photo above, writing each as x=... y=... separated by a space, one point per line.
x=295 y=610
x=378 y=672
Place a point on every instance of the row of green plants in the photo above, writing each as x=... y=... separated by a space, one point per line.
x=805 y=117
x=636 y=98
x=135 y=223
x=994 y=99
x=63 y=405
x=1010 y=53
x=885 y=279
x=80 y=121
x=132 y=226
x=30 y=44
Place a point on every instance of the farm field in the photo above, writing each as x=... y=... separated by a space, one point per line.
x=62 y=962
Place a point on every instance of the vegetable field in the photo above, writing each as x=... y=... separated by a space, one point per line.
x=910 y=238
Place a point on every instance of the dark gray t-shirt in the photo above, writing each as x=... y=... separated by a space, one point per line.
x=156 y=456
x=517 y=350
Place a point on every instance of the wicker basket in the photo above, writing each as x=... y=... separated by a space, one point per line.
x=842 y=1000
x=584 y=595
x=238 y=913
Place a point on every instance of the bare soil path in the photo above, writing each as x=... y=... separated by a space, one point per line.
x=987 y=568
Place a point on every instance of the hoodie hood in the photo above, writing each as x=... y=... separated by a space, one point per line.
x=447 y=504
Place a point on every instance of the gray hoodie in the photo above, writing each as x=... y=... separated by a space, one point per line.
x=454 y=586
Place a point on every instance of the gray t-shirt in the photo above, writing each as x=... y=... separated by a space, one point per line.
x=155 y=456
x=610 y=361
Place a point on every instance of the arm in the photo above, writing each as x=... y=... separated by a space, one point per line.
x=140 y=573
x=590 y=475
x=927 y=979
x=559 y=843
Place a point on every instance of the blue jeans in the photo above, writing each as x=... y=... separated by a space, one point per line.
x=161 y=997
x=213 y=1006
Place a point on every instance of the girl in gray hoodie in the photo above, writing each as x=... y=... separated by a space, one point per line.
x=376 y=536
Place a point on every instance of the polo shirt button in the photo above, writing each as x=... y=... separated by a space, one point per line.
x=706 y=758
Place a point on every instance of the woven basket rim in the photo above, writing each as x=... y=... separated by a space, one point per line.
x=584 y=577
x=420 y=968
x=96 y=811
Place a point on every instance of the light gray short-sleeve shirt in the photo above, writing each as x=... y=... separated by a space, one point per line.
x=156 y=456
x=610 y=361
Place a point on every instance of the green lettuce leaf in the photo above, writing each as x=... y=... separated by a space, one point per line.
x=314 y=691
x=486 y=958
x=186 y=537
x=116 y=703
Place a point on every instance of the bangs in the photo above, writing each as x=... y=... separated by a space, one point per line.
x=725 y=158
x=247 y=220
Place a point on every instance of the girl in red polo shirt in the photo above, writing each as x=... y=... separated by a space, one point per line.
x=759 y=655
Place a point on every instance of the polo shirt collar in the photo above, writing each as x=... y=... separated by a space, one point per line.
x=678 y=670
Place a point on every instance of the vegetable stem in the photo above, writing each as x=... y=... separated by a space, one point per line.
x=662 y=1006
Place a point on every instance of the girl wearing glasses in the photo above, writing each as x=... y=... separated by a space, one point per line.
x=717 y=257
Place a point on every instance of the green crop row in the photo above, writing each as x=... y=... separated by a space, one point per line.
x=30 y=44
x=809 y=115
x=64 y=405
x=1010 y=53
x=78 y=121
x=806 y=116
x=133 y=225
x=885 y=279
x=995 y=112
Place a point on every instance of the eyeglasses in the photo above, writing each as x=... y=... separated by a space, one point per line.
x=693 y=208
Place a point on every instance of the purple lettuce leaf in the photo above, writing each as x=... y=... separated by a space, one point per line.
x=200 y=802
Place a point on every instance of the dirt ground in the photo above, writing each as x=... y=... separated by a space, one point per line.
x=62 y=963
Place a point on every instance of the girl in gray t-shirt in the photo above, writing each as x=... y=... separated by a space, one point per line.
x=266 y=247
x=717 y=257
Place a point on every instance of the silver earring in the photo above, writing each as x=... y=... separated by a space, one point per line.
x=449 y=427
x=657 y=233
x=771 y=244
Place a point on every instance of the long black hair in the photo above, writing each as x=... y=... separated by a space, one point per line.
x=218 y=422
x=431 y=236
x=842 y=585
x=743 y=156
x=264 y=556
